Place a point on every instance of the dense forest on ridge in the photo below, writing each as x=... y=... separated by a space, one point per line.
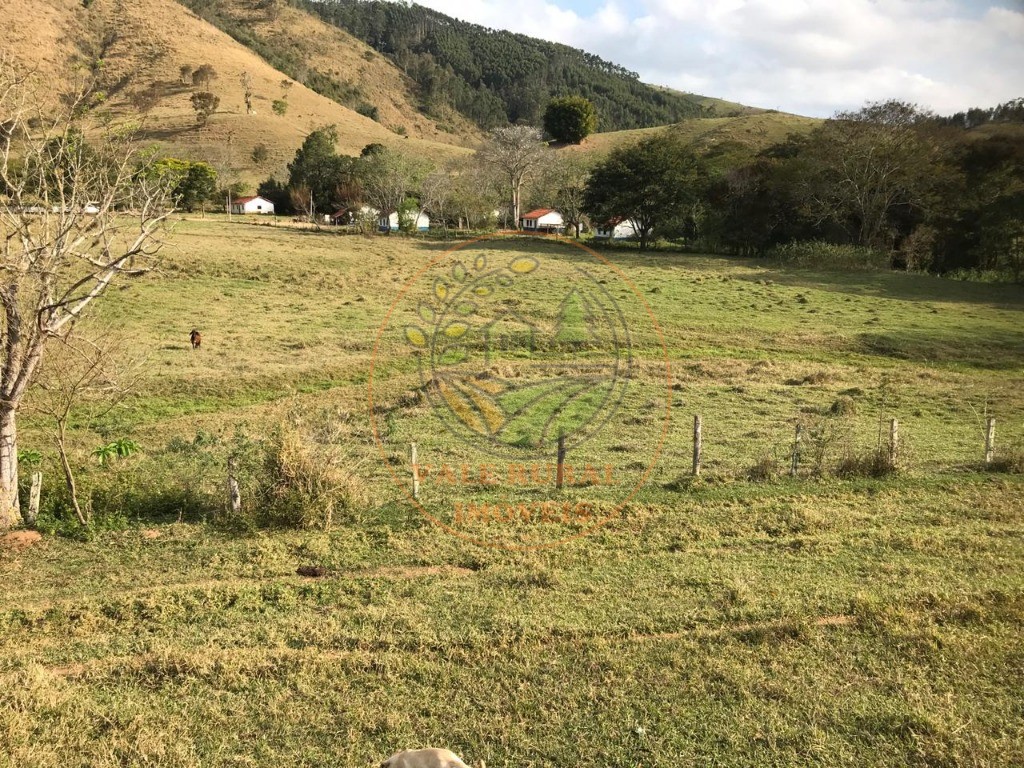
x=495 y=77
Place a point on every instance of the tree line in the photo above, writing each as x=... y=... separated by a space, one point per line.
x=889 y=179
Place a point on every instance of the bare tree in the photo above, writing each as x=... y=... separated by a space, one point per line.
x=84 y=376
x=246 y=79
x=437 y=194
x=74 y=218
x=517 y=151
x=561 y=184
x=388 y=178
x=870 y=165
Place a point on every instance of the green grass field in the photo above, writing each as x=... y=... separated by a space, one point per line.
x=725 y=620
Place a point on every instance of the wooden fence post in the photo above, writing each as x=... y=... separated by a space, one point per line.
x=415 y=472
x=33 y=498
x=796 y=450
x=234 y=492
x=894 y=443
x=561 y=460
x=697 y=444
x=990 y=440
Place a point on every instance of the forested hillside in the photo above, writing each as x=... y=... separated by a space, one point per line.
x=494 y=77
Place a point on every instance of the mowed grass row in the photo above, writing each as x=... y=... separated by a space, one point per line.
x=717 y=621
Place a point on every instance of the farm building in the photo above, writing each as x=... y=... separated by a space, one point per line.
x=256 y=204
x=616 y=229
x=542 y=220
x=417 y=220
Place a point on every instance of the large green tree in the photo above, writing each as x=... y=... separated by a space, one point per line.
x=318 y=170
x=194 y=183
x=570 y=119
x=652 y=182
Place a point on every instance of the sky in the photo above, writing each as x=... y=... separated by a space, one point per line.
x=810 y=57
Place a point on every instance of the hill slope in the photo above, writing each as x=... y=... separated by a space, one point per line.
x=494 y=76
x=722 y=140
x=332 y=62
x=138 y=47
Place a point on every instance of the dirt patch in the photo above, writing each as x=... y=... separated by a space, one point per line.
x=415 y=572
x=18 y=540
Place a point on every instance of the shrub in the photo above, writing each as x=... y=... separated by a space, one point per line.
x=765 y=469
x=280 y=107
x=819 y=254
x=304 y=480
x=869 y=463
x=1010 y=461
x=368 y=110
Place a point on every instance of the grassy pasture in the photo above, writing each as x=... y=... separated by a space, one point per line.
x=808 y=621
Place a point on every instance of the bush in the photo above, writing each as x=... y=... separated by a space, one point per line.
x=296 y=479
x=767 y=468
x=819 y=254
x=368 y=110
x=1010 y=461
x=870 y=463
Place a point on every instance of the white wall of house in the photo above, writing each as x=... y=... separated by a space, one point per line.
x=258 y=205
x=416 y=219
x=552 y=220
x=624 y=230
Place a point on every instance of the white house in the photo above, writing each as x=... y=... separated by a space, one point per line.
x=256 y=204
x=616 y=229
x=417 y=220
x=542 y=220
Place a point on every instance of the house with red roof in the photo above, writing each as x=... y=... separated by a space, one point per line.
x=542 y=220
x=255 y=204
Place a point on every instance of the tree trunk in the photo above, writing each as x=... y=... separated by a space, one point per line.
x=515 y=205
x=10 y=510
x=69 y=477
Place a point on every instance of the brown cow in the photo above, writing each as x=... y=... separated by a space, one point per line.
x=196 y=338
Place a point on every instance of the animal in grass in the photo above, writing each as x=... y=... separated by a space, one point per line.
x=425 y=758
x=196 y=338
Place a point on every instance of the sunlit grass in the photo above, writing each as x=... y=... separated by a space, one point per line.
x=710 y=621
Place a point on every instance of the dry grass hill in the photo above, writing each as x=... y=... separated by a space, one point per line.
x=715 y=137
x=142 y=45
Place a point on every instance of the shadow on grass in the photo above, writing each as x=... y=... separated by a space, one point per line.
x=990 y=350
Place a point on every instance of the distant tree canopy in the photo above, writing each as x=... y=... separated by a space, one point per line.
x=194 y=183
x=205 y=104
x=1008 y=112
x=319 y=170
x=202 y=75
x=570 y=119
x=889 y=177
x=652 y=183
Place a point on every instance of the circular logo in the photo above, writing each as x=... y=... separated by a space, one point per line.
x=506 y=393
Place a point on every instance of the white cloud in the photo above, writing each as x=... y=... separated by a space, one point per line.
x=806 y=56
